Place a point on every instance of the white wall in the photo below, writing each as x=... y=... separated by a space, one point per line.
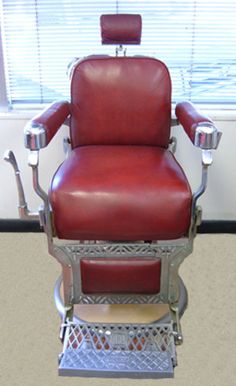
x=12 y=138
x=219 y=201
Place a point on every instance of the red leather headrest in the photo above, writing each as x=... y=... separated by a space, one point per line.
x=121 y=29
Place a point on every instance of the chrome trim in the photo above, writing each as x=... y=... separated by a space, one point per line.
x=24 y=212
x=201 y=188
x=45 y=211
x=207 y=160
x=57 y=298
x=207 y=157
x=174 y=122
x=35 y=136
x=173 y=144
x=66 y=146
x=33 y=161
x=121 y=50
x=207 y=136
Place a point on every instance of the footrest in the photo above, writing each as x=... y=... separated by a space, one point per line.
x=118 y=350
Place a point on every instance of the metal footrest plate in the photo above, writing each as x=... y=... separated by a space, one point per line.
x=118 y=350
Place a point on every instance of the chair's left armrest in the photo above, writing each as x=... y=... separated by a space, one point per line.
x=42 y=128
x=200 y=129
x=205 y=135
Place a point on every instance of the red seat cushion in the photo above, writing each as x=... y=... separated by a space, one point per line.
x=120 y=193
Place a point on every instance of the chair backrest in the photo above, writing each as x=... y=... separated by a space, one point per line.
x=120 y=100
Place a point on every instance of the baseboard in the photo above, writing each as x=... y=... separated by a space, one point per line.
x=217 y=226
x=17 y=225
x=207 y=226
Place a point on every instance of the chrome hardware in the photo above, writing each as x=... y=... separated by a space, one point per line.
x=33 y=158
x=120 y=49
x=70 y=67
x=45 y=213
x=198 y=215
x=35 y=136
x=174 y=122
x=173 y=144
x=207 y=160
x=33 y=161
x=207 y=136
x=177 y=333
x=24 y=212
x=178 y=338
x=45 y=210
x=207 y=157
x=66 y=146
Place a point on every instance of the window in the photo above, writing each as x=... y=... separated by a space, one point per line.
x=195 y=38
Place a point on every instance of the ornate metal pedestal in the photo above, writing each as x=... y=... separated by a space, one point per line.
x=134 y=350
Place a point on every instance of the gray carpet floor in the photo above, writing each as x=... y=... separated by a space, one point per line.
x=29 y=322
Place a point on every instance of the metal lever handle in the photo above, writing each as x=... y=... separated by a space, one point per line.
x=24 y=212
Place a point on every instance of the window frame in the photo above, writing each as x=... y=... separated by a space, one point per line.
x=227 y=109
x=3 y=87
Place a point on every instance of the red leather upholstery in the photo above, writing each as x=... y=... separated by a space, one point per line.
x=189 y=118
x=121 y=29
x=120 y=276
x=120 y=193
x=52 y=118
x=120 y=101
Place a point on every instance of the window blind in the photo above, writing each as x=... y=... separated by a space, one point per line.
x=195 y=38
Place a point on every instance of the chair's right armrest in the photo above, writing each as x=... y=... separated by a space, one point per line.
x=42 y=128
x=199 y=128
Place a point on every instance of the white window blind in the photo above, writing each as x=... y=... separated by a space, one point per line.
x=196 y=39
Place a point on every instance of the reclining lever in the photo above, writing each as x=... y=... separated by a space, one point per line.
x=24 y=212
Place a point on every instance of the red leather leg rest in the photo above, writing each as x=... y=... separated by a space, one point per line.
x=140 y=276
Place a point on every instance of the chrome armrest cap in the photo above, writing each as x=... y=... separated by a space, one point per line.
x=35 y=136
x=207 y=136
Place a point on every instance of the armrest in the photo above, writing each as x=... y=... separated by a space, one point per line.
x=203 y=134
x=200 y=129
x=42 y=128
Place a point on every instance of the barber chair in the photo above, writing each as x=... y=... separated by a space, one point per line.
x=120 y=216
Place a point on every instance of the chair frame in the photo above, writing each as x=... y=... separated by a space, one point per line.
x=69 y=252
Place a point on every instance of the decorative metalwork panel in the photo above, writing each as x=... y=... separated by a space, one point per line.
x=120 y=299
x=115 y=336
x=171 y=253
x=121 y=349
x=116 y=364
x=73 y=252
x=118 y=250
